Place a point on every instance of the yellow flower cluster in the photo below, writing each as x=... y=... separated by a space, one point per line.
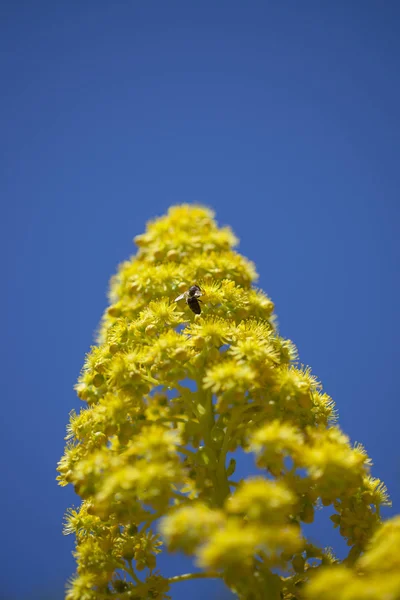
x=374 y=576
x=169 y=393
x=249 y=537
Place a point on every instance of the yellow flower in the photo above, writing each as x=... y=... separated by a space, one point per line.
x=150 y=484
x=236 y=546
x=262 y=500
x=229 y=375
x=332 y=463
x=295 y=388
x=82 y=522
x=335 y=584
x=146 y=546
x=82 y=587
x=259 y=305
x=155 y=443
x=221 y=265
x=256 y=350
x=383 y=552
x=375 y=492
x=161 y=314
x=273 y=442
x=190 y=526
x=231 y=547
x=208 y=332
x=93 y=556
x=324 y=409
x=375 y=576
x=169 y=349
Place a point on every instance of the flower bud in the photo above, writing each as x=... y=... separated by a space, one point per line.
x=98 y=380
x=172 y=255
x=231 y=467
x=151 y=329
x=298 y=563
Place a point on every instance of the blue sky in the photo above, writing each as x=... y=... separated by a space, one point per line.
x=282 y=116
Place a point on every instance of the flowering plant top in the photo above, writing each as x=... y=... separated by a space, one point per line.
x=189 y=366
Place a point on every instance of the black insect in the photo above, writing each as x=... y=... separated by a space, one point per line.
x=192 y=297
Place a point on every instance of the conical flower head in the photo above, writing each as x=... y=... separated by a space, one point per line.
x=188 y=367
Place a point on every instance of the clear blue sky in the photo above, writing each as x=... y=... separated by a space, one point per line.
x=284 y=117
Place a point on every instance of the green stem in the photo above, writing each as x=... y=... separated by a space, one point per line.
x=188 y=576
x=151 y=379
x=208 y=418
x=148 y=522
x=132 y=573
x=222 y=478
x=170 y=420
x=183 y=389
x=234 y=483
x=179 y=496
x=223 y=483
x=186 y=452
x=187 y=396
x=206 y=421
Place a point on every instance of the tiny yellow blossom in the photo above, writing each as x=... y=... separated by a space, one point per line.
x=82 y=587
x=383 y=552
x=332 y=463
x=259 y=499
x=229 y=375
x=209 y=332
x=155 y=443
x=275 y=441
x=236 y=546
x=187 y=527
x=374 y=576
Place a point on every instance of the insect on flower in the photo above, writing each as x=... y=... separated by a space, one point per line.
x=192 y=298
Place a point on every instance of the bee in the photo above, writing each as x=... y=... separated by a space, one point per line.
x=192 y=297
